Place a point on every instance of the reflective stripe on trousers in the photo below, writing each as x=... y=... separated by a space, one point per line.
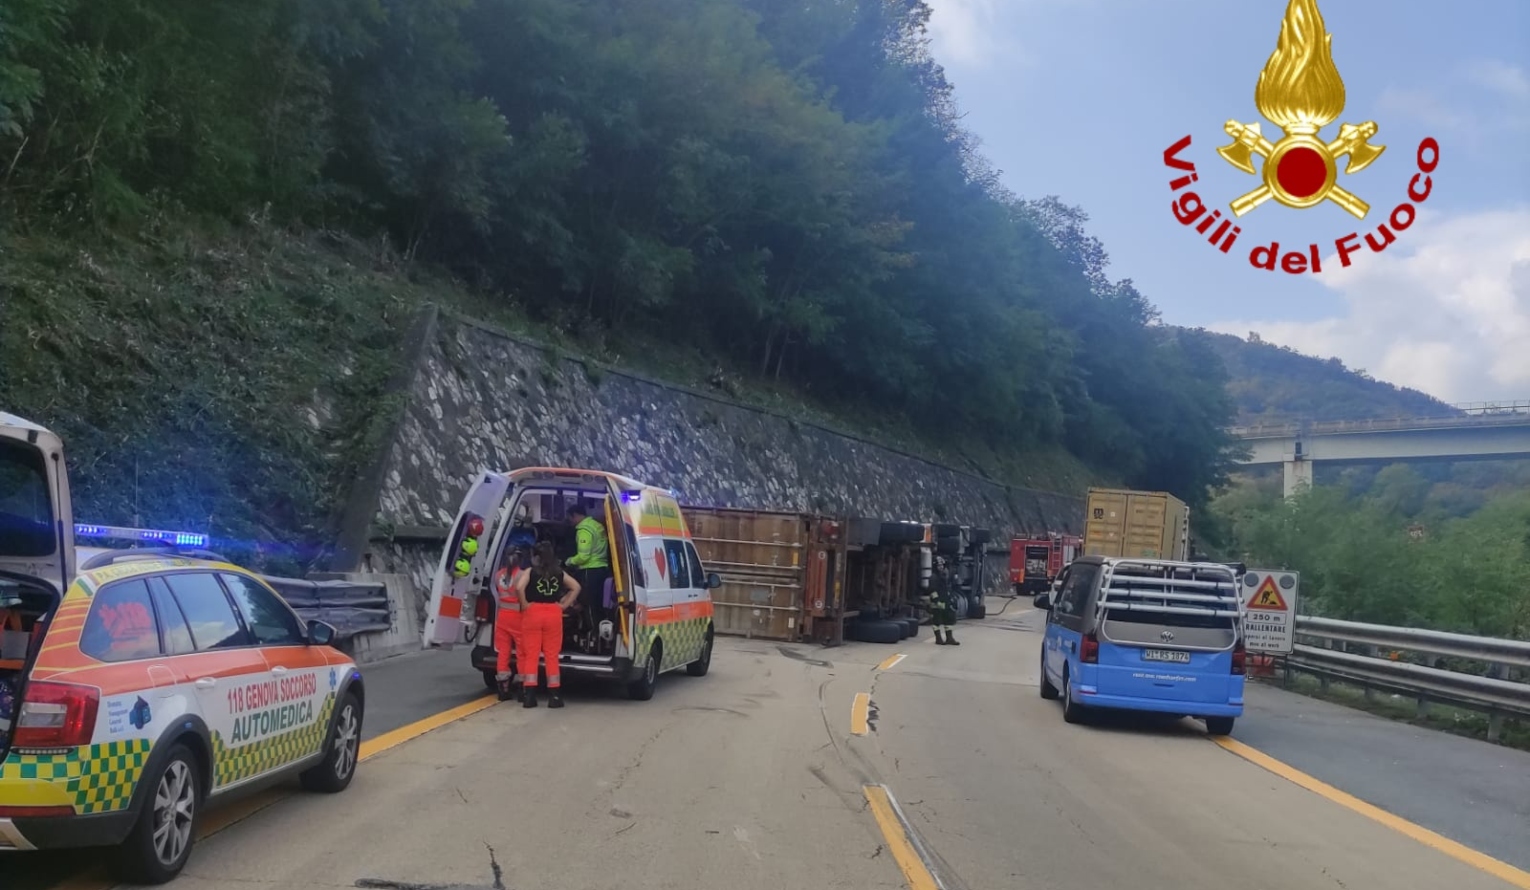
x=542 y=633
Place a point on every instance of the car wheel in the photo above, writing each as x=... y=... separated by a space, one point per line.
x=642 y=688
x=700 y=666
x=342 y=751
x=491 y=680
x=157 y=848
x=1073 y=712
x=1219 y=725
x=1048 y=691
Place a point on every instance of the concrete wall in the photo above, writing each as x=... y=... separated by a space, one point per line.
x=479 y=399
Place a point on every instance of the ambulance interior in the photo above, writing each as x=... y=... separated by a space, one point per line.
x=26 y=535
x=540 y=513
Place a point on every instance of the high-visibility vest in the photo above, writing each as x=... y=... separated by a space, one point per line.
x=591 y=538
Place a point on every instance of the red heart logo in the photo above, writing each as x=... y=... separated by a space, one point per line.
x=658 y=560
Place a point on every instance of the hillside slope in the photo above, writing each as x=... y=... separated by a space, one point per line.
x=1274 y=383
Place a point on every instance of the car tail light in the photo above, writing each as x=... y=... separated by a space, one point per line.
x=1089 y=649
x=1237 y=657
x=56 y=715
x=481 y=607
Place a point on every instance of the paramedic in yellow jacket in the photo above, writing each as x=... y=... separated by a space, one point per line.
x=591 y=562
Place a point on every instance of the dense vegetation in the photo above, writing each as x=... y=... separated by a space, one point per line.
x=1276 y=383
x=1393 y=548
x=784 y=184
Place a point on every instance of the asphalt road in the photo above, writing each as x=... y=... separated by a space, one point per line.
x=752 y=778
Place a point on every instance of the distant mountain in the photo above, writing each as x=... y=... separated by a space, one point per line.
x=1273 y=383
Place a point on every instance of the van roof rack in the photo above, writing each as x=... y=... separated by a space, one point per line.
x=112 y=557
x=1165 y=587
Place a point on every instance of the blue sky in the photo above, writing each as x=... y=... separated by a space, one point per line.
x=1079 y=98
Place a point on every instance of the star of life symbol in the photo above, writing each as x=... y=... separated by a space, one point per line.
x=1301 y=92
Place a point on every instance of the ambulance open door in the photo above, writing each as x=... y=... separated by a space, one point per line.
x=463 y=572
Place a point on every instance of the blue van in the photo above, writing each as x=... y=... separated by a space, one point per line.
x=1144 y=635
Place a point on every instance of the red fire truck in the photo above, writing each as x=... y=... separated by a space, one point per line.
x=1034 y=562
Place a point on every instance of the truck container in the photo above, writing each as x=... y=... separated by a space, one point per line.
x=783 y=574
x=1140 y=524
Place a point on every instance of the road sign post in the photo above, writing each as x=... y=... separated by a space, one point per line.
x=1270 y=599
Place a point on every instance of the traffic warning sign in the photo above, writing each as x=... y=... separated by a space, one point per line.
x=1267 y=596
x=1269 y=611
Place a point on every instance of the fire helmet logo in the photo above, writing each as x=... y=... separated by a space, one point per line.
x=1301 y=92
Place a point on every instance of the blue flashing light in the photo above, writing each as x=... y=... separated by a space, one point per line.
x=630 y=496
x=148 y=535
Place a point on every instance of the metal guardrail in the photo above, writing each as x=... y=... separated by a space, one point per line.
x=1495 y=693
x=1391 y=424
x=351 y=607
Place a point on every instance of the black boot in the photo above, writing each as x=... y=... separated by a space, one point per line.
x=554 y=699
x=529 y=697
x=506 y=690
x=951 y=638
x=939 y=639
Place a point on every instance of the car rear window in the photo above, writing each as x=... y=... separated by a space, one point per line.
x=121 y=625
x=1138 y=607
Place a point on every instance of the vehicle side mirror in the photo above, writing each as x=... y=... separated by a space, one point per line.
x=1043 y=601
x=320 y=634
x=714 y=581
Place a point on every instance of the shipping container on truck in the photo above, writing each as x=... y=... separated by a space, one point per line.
x=1136 y=524
x=783 y=573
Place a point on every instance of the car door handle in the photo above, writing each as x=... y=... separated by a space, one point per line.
x=206 y=682
x=278 y=670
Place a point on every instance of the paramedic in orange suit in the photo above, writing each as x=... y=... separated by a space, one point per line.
x=508 y=620
x=546 y=591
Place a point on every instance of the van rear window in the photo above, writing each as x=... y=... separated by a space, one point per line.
x=26 y=507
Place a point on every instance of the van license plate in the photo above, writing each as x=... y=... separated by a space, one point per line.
x=1165 y=655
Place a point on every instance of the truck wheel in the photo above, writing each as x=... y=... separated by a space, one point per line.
x=875 y=631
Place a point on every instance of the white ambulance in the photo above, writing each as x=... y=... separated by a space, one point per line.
x=659 y=598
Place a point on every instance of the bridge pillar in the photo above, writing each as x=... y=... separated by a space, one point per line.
x=1298 y=476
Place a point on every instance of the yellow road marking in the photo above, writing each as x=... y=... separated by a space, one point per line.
x=238 y=811
x=860 y=711
x=1460 y=852
x=393 y=738
x=891 y=661
x=899 y=842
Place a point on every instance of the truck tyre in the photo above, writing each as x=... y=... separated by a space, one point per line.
x=913 y=627
x=979 y=610
x=901 y=533
x=904 y=631
x=875 y=631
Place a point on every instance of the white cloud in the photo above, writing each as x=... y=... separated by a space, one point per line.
x=1500 y=77
x=1446 y=309
x=967 y=32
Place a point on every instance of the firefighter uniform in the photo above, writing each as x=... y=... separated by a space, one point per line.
x=943 y=606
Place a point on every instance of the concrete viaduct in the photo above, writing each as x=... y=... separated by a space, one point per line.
x=1496 y=432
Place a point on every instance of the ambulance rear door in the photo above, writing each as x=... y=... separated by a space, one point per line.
x=462 y=574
